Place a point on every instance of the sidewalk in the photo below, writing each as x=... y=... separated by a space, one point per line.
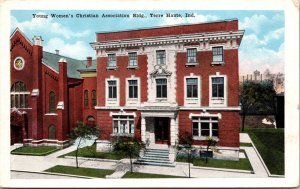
x=41 y=163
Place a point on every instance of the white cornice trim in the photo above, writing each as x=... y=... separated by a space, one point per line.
x=171 y=39
x=115 y=107
x=204 y=108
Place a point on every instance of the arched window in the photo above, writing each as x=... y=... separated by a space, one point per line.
x=19 y=95
x=52 y=102
x=52 y=132
x=94 y=101
x=86 y=99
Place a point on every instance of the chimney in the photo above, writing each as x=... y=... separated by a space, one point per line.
x=37 y=40
x=88 y=61
x=56 y=51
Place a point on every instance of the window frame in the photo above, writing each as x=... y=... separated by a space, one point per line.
x=163 y=87
x=86 y=99
x=129 y=129
x=132 y=63
x=111 y=60
x=218 y=101
x=189 y=55
x=112 y=89
x=192 y=88
x=94 y=98
x=217 y=53
x=134 y=87
x=52 y=102
x=19 y=97
x=210 y=119
x=160 y=56
x=112 y=101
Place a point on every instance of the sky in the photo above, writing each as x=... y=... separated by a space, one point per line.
x=262 y=46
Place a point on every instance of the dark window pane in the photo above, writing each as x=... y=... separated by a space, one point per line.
x=12 y=101
x=158 y=92
x=214 y=125
x=189 y=91
x=22 y=101
x=204 y=118
x=26 y=101
x=160 y=57
x=164 y=91
x=195 y=91
x=17 y=101
x=195 y=132
x=135 y=94
x=220 y=90
x=204 y=132
x=114 y=92
x=205 y=126
x=214 y=90
x=215 y=133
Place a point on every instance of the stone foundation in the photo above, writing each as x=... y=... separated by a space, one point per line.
x=103 y=146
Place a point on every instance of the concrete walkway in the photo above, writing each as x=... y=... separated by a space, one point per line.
x=40 y=163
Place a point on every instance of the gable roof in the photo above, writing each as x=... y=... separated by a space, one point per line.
x=73 y=65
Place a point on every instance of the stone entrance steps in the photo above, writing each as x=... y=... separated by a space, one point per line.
x=158 y=157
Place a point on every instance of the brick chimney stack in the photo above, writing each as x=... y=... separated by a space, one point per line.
x=88 y=61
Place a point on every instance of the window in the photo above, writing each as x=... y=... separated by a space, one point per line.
x=217 y=87
x=94 y=98
x=133 y=88
x=112 y=60
x=192 y=55
x=217 y=54
x=86 y=99
x=52 y=102
x=123 y=124
x=161 y=57
x=52 y=132
x=192 y=87
x=132 y=59
x=112 y=89
x=205 y=126
x=161 y=88
x=19 y=95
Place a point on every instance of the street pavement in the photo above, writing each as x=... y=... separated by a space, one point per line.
x=34 y=165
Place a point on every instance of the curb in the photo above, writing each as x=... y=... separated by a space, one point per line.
x=59 y=174
x=217 y=169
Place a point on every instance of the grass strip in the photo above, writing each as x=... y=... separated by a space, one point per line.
x=90 y=152
x=245 y=144
x=242 y=163
x=148 y=175
x=270 y=144
x=89 y=172
x=35 y=150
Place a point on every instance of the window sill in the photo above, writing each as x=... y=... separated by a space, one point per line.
x=123 y=134
x=161 y=99
x=111 y=67
x=204 y=138
x=217 y=63
x=132 y=67
x=51 y=114
x=191 y=64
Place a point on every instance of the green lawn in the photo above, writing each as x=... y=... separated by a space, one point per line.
x=245 y=144
x=270 y=144
x=90 y=152
x=35 y=150
x=99 y=173
x=147 y=175
x=242 y=164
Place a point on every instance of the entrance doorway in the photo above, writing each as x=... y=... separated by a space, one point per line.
x=162 y=130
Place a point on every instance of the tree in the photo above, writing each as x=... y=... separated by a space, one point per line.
x=83 y=132
x=129 y=147
x=210 y=143
x=258 y=98
x=186 y=142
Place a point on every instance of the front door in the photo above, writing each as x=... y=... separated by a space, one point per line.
x=162 y=130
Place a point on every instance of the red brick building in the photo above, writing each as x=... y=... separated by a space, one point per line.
x=153 y=83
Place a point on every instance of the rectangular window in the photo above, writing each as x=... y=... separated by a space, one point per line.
x=132 y=59
x=123 y=124
x=161 y=57
x=217 y=54
x=112 y=89
x=161 y=88
x=112 y=60
x=218 y=87
x=133 y=88
x=192 y=87
x=192 y=55
x=205 y=126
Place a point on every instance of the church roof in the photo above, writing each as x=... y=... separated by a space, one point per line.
x=73 y=65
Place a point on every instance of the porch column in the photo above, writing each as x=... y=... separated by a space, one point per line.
x=143 y=129
x=173 y=131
